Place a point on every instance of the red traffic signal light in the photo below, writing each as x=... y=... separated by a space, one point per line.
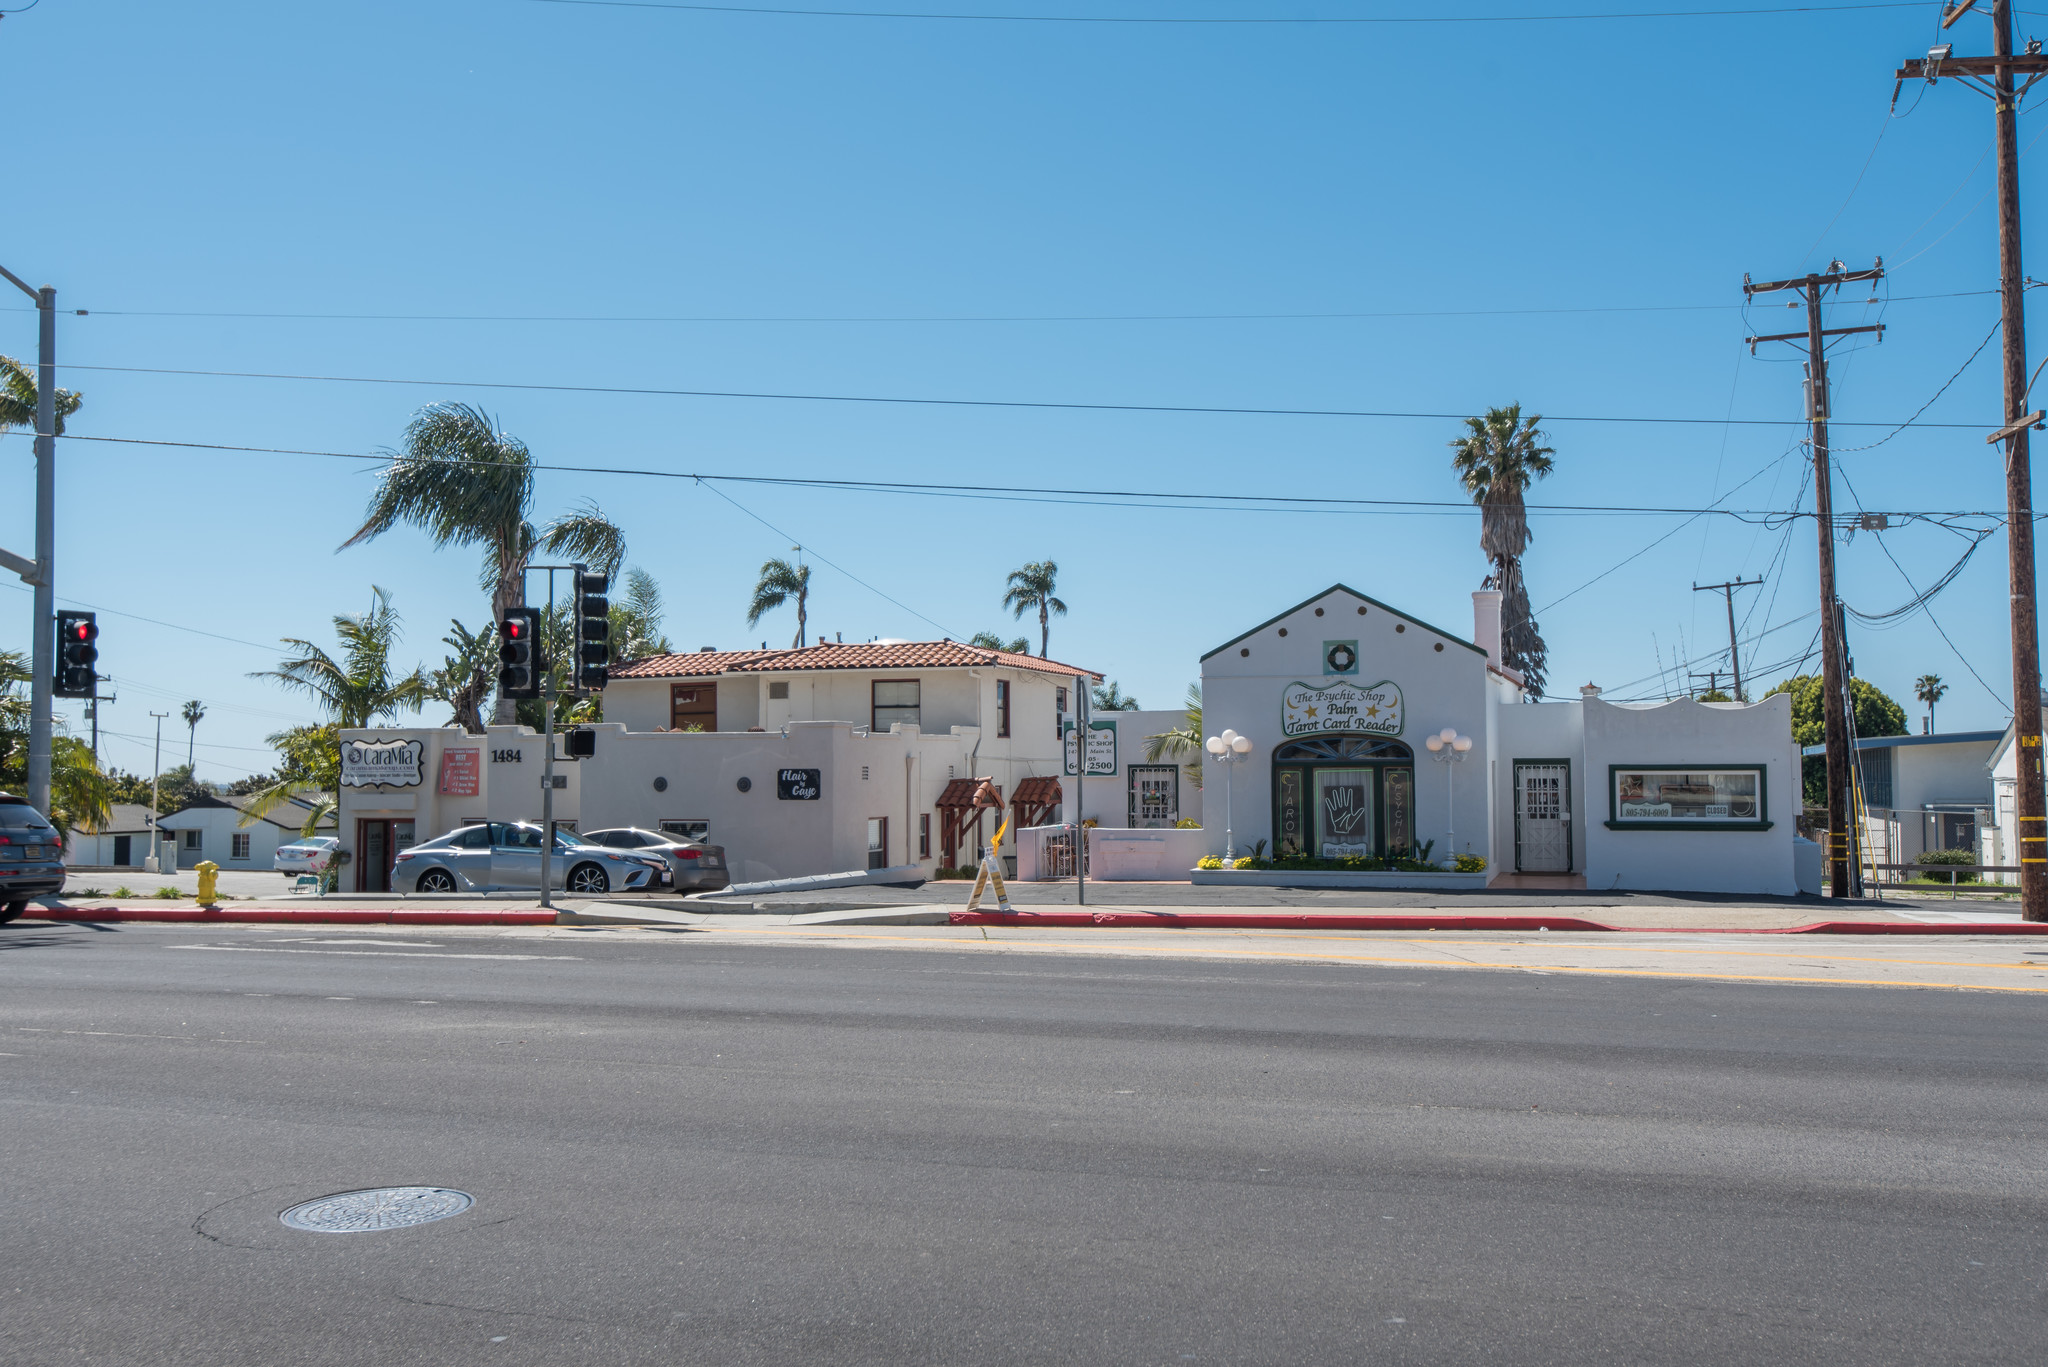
x=76 y=655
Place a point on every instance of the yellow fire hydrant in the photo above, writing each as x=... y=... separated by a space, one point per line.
x=209 y=880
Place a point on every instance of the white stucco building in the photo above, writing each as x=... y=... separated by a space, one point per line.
x=1339 y=693
x=819 y=760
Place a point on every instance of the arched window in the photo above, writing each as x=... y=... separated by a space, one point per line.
x=1343 y=750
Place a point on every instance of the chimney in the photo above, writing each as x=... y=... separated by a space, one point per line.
x=1589 y=692
x=1486 y=624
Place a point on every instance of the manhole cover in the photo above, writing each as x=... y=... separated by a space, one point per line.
x=359 y=1212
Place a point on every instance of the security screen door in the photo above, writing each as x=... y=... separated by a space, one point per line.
x=1543 y=842
x=1344 y=822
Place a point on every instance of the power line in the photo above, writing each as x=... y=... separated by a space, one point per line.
x=174 y=626
x=1103 y=497
x=932 y=318
x=919 y=401
x=1269 y=21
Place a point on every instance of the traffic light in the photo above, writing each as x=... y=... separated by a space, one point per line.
x=582 y=743
x=593 y=631
x=76 y=654
x=519 y=633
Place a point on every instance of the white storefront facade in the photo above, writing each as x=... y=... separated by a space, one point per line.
x=1339 y=694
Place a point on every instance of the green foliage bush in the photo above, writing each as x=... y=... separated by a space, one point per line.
x=1937 y=858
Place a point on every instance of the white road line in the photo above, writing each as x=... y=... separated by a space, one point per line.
x=366 y=953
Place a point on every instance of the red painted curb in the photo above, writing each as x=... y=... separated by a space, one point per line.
x=1263 y=920
x=374 y=918
x=1127 y=920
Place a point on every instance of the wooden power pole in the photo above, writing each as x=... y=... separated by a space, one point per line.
x=1834 y=681
x=1727 y=592
x=1995 y=76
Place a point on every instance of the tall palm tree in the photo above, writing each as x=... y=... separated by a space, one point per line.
x=989 y=640
x=464 y=679
x=781 y=581
x=354 y=691
x=1032 y=587
x=1111 y=698
x=1497 y=459
x=1928 y=688
x=18 y=397
x=465 y=482
x=1181 y=742
x=192 y=712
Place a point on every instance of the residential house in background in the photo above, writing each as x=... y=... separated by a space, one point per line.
x=123 y=844
x=211 y=827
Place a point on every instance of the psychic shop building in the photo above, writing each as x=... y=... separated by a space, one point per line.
x=1341 y=694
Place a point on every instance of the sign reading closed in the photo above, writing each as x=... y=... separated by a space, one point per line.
x=799 y=785
x=368 y=763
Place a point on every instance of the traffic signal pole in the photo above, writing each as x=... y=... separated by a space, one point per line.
x=42 y=661
x=1994 y=76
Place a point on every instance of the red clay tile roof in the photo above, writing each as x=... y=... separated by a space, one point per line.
x=686 y=666
x=904 y=655
x=1041 y=791
x=834 y=655
x=971 y=792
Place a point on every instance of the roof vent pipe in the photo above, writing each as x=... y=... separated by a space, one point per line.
x=1589 y=692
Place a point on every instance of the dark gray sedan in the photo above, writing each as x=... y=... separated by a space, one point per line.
x=693 y=864
x=31 y=856
x=505 y=856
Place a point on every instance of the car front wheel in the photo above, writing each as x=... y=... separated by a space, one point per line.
x=588 y=878
x=11 y=910
x=437 y=880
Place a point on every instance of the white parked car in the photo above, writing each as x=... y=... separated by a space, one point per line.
x=308 y=855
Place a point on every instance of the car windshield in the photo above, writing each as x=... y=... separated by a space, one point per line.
x=564 y=839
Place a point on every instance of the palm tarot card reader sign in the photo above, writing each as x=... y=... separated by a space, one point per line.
x=1308 y=710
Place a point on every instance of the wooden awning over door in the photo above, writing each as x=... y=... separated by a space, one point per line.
x=1034 y=800
x=960 y=806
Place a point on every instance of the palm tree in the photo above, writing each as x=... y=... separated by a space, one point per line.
x=465 y=482
x=1497 y=459
x=464 y=679
x=988 y=640
x=781 y=581
x=81 y=794
x=1110 y=698
x=636 y=619
x=18 y=397
x=1031 y=587
x=355 y=691
x=1928 y=688
x=1182 y=741
x=192 y=712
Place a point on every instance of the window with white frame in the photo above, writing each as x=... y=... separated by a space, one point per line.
x=1700 y=797
x=238 y=845
x=895 y=700
x=193 y=838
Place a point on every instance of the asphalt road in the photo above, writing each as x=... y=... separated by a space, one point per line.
x=691 y=1150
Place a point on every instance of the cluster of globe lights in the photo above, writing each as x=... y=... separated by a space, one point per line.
x=1449 y=736
x=1228 y=743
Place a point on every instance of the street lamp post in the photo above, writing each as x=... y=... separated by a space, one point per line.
x=1229 y=749
x=1450 y=750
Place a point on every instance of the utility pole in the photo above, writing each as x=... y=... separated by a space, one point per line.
x=42 y=645
x=1834 y=683
x=156 y=770
x=1994 y=76
x=1727 y=592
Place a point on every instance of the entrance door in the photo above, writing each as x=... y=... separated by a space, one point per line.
x=1543 y=819
x=373 y=856
x=1154 y=796
x=1344 y=816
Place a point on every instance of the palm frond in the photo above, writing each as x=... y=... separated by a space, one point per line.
x=458 y=478
x=588 y=537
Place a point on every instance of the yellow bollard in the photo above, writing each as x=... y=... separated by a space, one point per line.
x=209 y=879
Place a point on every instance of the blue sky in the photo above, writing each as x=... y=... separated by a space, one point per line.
x=1559 y=213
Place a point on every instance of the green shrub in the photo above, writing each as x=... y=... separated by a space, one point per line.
x=1209 y=861
x=124 y=891
x=167 y=894
x=1471 y=863
x=1937 y=858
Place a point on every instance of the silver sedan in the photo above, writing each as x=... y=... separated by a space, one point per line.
x=504 y=856
x=692 y=864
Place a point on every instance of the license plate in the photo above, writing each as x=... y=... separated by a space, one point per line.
x=35 y=852
x=711 y=863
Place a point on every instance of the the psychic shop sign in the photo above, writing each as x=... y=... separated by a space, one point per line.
x=1308 y=710
x=368 y=763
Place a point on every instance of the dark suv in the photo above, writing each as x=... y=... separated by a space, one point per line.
x=31 y=856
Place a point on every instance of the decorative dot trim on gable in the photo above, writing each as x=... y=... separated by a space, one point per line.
x=1246 y=651
x=1283 y=631
x=1400 y=626
x=745 y=785
x=1361 y=609
x=660 y=784
x=1439 y=647
x=1319 y=612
